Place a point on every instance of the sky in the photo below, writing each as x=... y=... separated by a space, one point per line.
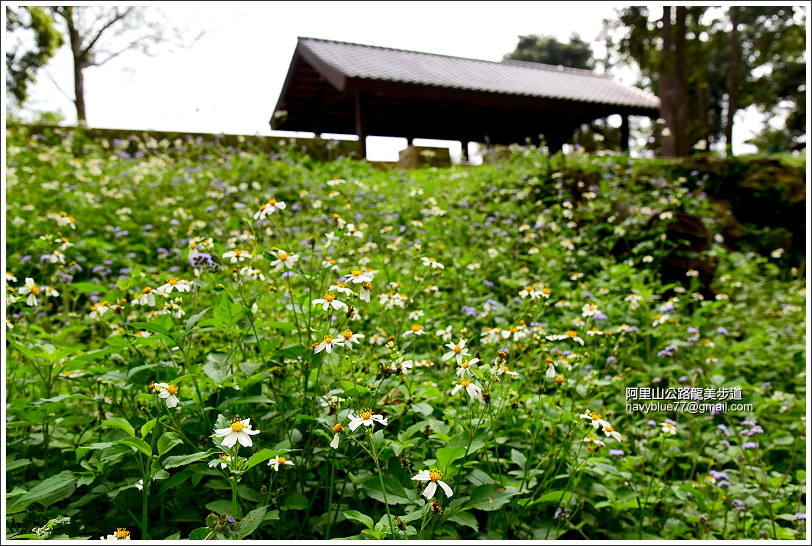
x=230 y=80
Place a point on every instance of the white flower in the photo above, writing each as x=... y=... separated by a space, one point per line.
x=366 y=289
x=531 y=292
x=283 y=260
x=169 y=392
x=366 y=418
x=474 y=391
x=120 y=534
x=32 y=290
x=181 y=285
x=239 y=431
x=237 y=255
x=432 y=262
x=595 y=419
x=465 y=367
x=594 y=443
x=338 y=428
x=330 y=301
x=328 y=344
x=349 y=338
x=503 y=369
x=434 y=477
x=276 y=461
x=457 y=351
x=446 y=333
x=98 y=310
x=223 y=461
x=589 y=309
x=414 y=330
x=669 y=428
x=269 y=208
x=357 y=276
x=571 y=334
x=610 y=431
x=145 y=298
x=341 y=288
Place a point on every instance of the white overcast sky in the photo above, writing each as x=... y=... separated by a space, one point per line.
x=230 y=79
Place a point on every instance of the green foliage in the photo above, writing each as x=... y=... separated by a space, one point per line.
x=23 y=64
x=208 y=414
x=548 y=50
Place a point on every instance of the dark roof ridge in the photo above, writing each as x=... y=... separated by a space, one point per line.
x=525 y=64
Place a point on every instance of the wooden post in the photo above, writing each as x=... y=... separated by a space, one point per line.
x=624 y=133
x=464 y=157
x=360 y=125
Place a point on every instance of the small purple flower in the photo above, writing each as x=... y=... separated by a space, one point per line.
x=738 y=504
x=748 y=423
x=588 y=296
x=667 y=308
x=211 y=208
x=725 y=443
x=800 y=515
x=632 y=329
x=651 y=423
x=488 y=283
x=693 y=330
x=468 y=310
x=749 y=445
x=718 y=475
x=671 y=422
x=230 y=519
x=611 y=360
x=174 y=222
x=722 y=331
x=201 y=260
x=286 y=274
x=723 y=483
x=724 y=429
x=667 y=351
x=617 y=452
x=239 y=205
x=599 y=316
x=683 y=378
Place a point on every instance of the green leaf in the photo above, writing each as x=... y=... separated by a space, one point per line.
x=251 y=521
x=47 y=492
x=263 y=455
x=19 y=463
x=490 y=497
x=465 y=518
x=363 y=519
x=295 y=501
x=221 y=506
x=118 y=422
x=395 y=493
x=446 y=456
x=518 y=458
x=216 y=371
x=180 y=460
x=226 y=312
x=554 y=496
x=147 y=427
x=200 y=533
x=89 y=287
x=191 y=321
x=138 y=444
x=167 y=441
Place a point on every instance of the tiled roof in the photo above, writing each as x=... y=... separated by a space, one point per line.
x=507 y=77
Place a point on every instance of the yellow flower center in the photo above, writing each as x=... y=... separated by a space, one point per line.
x=355 y=272
x=34 y=289
x=434 y=475
x=594 y=415
x=669 y=425
x=341 y=284
x=281 y=460
x=416 y=327
x=237 y=426
x=465 y=364
x=147 y=290
x=63 y=214
x=346 y=334
x=172 y=389
x=263 y=207
x=366 y=414
x=457 y=349
x=610 y=428
x=572 y=333
x=559 y=379
x=338 y=427
x=328 y=297
x=224 y=456
x=283 y=256
x=528 y=289
x=504 y=368
x=592 y=438
x=432 y=259
x=465 y=382
x=122 y=533
x=272 y=201
x=545 y=291
x=173 y=281
x=328 y=339
x=367 y=286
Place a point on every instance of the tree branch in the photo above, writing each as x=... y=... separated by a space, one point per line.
x=116 y=18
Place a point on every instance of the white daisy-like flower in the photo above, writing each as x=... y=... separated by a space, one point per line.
x=465 y=367
x=237 y=255
x=366 y=418
x=660 y=319
x=434 y=477
x=571 y=334
x=329 y=301
x=146 y=297
x=120 y=534
x=446 y=333
x=328 y=344
x=414 y=330
x=589 y=310
x=594 y=443
x=531 y=292
x=271 y=206
x=669 y=428
x=32 y=289
x=595 y=419
x=338 y=428
x=357 y=276
x=98 y=310
x=279 y=460
x=432 y=262
x=239 y=431
x=283 y=260
x=341 y=288
x=366 y=290
x=457 y=351
x=504 y=369
x=173 y=283
x=222 y=461
x=10 y=277
x=349 y=338
x=169 y=393
x=473 y=390
x=610 y=431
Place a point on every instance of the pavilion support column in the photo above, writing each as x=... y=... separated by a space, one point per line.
x=361 y=124
x=464 y=157
x=624 y=133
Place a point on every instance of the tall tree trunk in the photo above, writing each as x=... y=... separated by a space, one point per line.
x=681 y=84
x=674 y=83
x=732 y=79
x=666 y=85
x=79 y=65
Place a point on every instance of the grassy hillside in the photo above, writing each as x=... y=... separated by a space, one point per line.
x=208 y=342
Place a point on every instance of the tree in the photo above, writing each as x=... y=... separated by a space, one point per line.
x=546 y=49
x=31 y=52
